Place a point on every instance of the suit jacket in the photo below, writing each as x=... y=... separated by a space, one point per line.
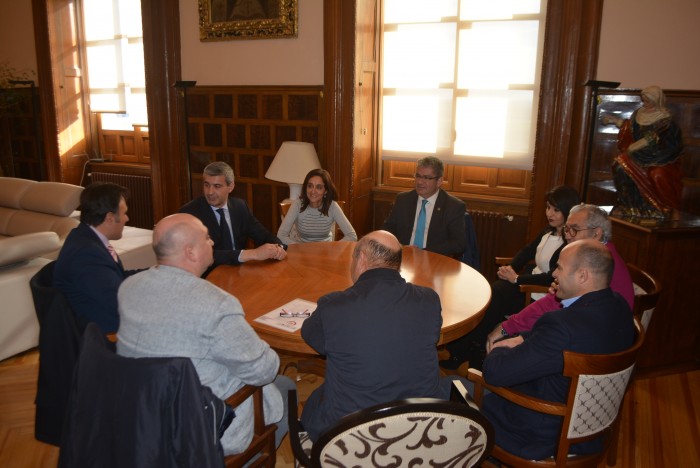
x=527 y=254
x=599 y=322
x=167 y=311
x=379 y=339
x=138 y=412
x=89 y=277
x=243 y=226
x=447 y=231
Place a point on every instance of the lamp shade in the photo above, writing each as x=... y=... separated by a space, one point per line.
x=292 y=162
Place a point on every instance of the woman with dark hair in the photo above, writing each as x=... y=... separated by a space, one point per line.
x=315 y=212
x=506 y=298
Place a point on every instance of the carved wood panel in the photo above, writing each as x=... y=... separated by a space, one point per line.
x=244 y=126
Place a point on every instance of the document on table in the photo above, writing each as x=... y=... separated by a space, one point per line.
x=290 y=316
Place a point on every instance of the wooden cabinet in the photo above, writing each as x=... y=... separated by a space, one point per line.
x=670 y=252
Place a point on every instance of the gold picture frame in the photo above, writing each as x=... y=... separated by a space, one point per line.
x=225 y=20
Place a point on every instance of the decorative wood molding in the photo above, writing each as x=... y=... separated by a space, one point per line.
x=161 y=39
x=244 y=126
x=570 y=60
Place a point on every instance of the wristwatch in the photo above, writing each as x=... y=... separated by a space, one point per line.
x=503 y=331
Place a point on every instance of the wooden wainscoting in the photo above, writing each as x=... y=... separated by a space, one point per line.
x=244 y=126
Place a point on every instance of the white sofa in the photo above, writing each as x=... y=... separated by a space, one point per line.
x=35 y=218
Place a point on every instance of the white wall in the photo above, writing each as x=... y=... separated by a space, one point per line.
x=289 y=61
x=651 y=42
x=643 y=42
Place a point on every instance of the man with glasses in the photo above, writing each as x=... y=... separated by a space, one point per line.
x=584 y=222
x=428 y=217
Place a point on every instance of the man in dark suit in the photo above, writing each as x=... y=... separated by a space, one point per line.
x=428 y=211
x=594 y=320
x=379 y=337
x=88 y=270
x=231 y=237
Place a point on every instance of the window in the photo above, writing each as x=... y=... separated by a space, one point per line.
x=460 y=80
x=113 y=42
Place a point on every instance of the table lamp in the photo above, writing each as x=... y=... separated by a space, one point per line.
x=292 y=162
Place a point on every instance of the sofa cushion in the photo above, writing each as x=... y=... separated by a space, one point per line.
x=20 y=327
x=12 y=190
x=52 y=198
x=26 y=247
x=27 y=222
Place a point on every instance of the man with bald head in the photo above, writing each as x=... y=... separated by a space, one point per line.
x=379 y=337
x=594 y=320
x=169 y=310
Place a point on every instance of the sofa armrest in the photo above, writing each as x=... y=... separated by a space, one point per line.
x=27 y=246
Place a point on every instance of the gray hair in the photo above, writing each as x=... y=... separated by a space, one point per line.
x=433 y=162
x=378 y=255
x=597 y=218
x=218 y=168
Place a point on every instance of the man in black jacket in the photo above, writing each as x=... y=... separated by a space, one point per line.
x=239 y=224
x=428 y=217
x=593 y=320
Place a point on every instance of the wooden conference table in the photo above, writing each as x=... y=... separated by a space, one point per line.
x=314 y=269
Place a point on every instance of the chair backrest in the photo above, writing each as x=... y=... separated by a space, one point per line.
x=138 y=412
x=647 y=290
x=598 y=384
x=420 y=431
x=284 y=209
x=59 y=346
x=470 y=256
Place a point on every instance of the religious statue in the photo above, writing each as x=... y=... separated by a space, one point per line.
x=647 y=172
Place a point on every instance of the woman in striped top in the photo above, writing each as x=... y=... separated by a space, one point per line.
x=315 y=213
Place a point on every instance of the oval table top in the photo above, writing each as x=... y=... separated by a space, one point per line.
x=312 y=270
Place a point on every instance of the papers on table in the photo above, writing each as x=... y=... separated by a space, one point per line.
x=290 y=316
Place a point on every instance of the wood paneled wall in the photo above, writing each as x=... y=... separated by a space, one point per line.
x=244 y=126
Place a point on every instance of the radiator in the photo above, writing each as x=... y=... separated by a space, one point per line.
x=140 y=196
x=490 y=228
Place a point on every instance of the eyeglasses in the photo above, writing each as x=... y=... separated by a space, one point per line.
x=425 y=177
x=572 y=231
x=287 y=314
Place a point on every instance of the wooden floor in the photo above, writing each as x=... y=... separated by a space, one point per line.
x=660 y=425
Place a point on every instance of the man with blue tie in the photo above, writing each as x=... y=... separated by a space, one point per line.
x=428 y=217
x=88 y=271
x=230 y=222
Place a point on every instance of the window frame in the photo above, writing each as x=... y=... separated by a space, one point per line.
x=524 y=162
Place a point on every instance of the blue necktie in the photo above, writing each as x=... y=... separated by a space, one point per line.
x=420 y=226
x=226 y=239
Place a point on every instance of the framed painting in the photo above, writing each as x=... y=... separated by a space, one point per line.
x=224 y=20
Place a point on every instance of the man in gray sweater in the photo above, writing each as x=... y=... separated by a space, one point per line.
x=169 y=310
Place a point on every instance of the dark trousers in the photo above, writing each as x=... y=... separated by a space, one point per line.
x=506 y=299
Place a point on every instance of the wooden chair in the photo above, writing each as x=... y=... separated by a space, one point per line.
x=527 y=289
x=263 y=443
x=603 y=376
x=436 y=432
x=337 y=233
x=113 y=390
x=647 y=290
